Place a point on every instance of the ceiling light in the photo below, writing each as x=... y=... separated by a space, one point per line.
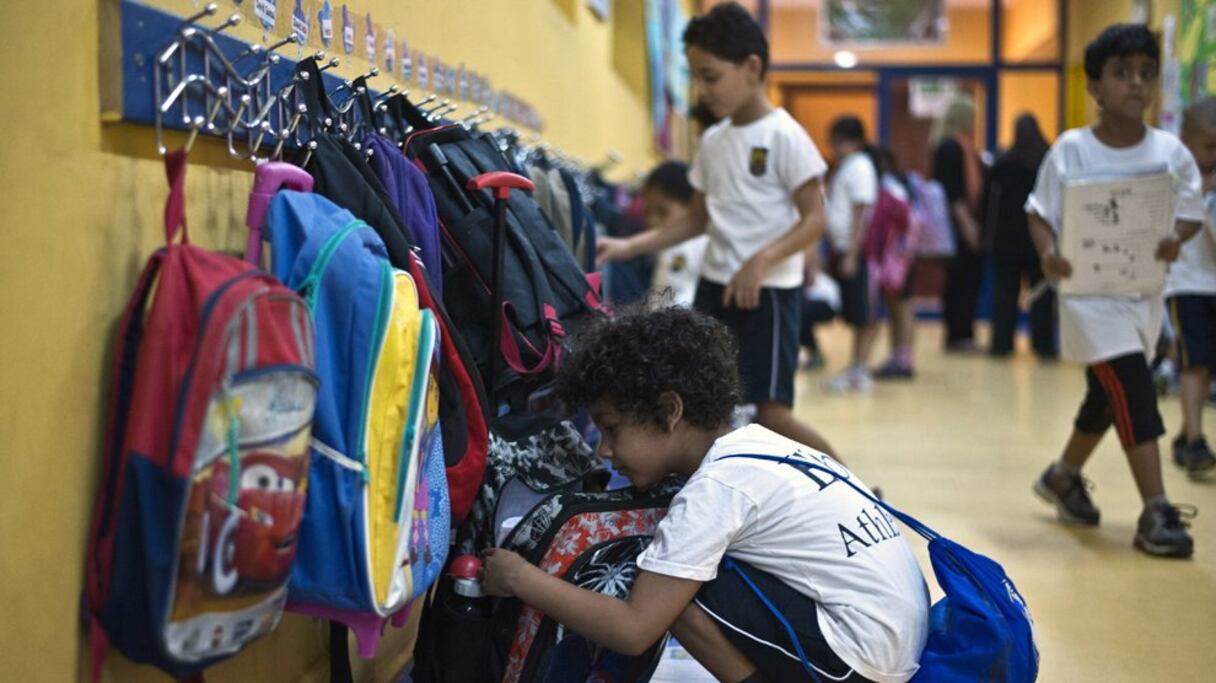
x=845 y=59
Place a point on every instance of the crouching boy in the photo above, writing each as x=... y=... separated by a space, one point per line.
x=661 y=386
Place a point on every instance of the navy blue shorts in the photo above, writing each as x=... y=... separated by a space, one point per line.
x=751 y=627
x=1194 y=319
x=767 y=339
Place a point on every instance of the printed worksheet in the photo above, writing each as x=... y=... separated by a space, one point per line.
x=1112 y=224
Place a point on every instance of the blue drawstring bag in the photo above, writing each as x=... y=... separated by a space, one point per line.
x=980 y=631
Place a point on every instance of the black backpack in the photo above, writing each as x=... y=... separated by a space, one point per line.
x=545 y=292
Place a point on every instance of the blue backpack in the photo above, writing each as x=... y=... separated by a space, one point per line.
x=980 y=631
x=377 y=500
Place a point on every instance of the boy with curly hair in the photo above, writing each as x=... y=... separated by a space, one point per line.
x=660 y=386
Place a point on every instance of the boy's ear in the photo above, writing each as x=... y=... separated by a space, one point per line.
x=672 y=406
x=1091 y=87
x=753 y=65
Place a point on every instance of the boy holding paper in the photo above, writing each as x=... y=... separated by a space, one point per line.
x=1111 y=334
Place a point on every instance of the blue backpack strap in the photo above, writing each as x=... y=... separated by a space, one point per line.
x=908 y=520
x=785 y=623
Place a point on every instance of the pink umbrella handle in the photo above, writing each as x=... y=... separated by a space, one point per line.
x=268 y=179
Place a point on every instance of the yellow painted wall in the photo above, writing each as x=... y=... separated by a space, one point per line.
x=83 y=206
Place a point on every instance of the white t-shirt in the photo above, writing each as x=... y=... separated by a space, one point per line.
x=820 y=538
x=1195 y=270
x=749 y=175
x=855 y=182
x=1098 y=328
x=679 y=268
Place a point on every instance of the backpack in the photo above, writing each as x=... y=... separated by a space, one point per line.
x=376 y=355
x=591 y=539
x=889 y=241
x=545 y=292
x=980 y=631
x=206 y=467
x=931 y=211
x=342 y=175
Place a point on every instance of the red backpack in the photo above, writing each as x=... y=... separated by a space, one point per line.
x=206 y=458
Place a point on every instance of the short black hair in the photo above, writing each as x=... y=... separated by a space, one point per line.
x=1120 y=40
x=670 y=179
x=848 y=128
x=728 y=32
x=629 y=360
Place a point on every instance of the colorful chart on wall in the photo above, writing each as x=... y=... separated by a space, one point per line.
x=669 y=81
x=883 y=21
x=1196 y=48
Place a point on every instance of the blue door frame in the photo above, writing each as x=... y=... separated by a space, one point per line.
x=988 y=73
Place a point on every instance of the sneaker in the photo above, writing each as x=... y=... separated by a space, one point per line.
x=1195 y=457
x=852 y=379
x=1161 y=531
x=1071 y=498
x=893 y=370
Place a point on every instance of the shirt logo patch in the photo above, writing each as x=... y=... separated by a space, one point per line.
x=759 y=161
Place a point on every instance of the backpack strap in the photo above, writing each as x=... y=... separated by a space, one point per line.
x=175 y=204
x=908 y=520
x=785 y=623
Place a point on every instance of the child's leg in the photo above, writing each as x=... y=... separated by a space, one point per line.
x=1196 y=385
x=700 y=635
x=864 y=337
x=1128 y=384
x=1061 y=484
x=780 y=418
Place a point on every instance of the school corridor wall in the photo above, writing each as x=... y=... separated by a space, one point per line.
x=83 y=206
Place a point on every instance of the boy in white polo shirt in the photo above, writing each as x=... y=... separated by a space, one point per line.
x=759 y=197
x=1190 y=291
x=1111 y=335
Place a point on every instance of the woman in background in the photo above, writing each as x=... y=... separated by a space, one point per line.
x=1013 y=255
x=957 y=166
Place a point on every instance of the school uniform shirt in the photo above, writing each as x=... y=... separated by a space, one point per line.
x=818 y=536
x=679 y=268
x=748 y=175
x=855 y=182
x=1195 y=270
x=1099 y=328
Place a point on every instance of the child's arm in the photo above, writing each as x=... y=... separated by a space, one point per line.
x=626 y=626
x=1054 y=266
x=609 y=249
x=861 y=219
x=1170 y=245
x=744 y=287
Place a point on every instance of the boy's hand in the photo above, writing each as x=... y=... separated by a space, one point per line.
x=848 y=266
x=1056 y=267
x=1168 y=248
x=744 y=287
x=501 y=571
x=609 y=249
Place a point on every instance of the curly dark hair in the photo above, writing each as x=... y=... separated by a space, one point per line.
x=629 y=360
x=728 y=32
x=670 y=179
x=1119 y=40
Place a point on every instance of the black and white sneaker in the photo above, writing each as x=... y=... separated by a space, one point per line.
x=1070 y=495
x=1161 y=531
x=1195 y=457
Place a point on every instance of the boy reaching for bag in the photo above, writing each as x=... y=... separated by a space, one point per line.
x=661 y=387
x=759 y=197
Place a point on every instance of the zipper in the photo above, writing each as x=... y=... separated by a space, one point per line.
x=384 y=305
x=308 y=288
x=184 y=390
x=421 y=379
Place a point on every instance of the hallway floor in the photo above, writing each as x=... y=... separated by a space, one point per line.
x=960 y=447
